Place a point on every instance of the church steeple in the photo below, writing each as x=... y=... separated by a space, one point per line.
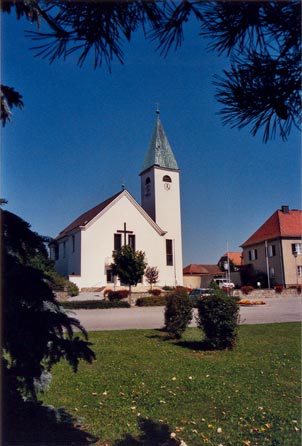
x=159 y=151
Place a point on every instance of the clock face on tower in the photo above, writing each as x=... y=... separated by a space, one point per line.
x=167 y=186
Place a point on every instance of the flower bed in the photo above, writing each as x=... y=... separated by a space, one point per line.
x=247 y=302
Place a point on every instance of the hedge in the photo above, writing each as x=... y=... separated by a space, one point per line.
x=151 y=301
x=93 y=304
x=117 y=295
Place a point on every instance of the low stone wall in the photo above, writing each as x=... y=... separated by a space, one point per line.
x=262 y=294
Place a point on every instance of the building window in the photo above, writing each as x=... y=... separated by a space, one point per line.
x=253 y=255
x=167 y=179
x=73 y=243
x=117 y=242
x=272 y=273
x=169 y=252
x=271 y=251
x=131 y=241
x=109 y=276
x=148 y=181
x=299 y=270
x=56 y=251
x=297 y=248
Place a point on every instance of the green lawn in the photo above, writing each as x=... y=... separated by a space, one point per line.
x=142 y=387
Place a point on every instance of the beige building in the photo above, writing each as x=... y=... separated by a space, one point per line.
x=275 y=249
x=200 y=276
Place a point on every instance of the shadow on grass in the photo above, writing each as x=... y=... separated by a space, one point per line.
x=32 y=424
x=161 y=336
x=201 y=346
x=153 y=434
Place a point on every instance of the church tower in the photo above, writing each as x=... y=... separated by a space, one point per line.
x=160 y=193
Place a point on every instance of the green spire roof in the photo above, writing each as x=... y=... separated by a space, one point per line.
x=159 y=152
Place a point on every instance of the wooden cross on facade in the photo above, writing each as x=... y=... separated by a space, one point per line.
x=125 y=232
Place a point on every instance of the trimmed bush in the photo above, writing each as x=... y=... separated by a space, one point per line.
x=114 y=296
x=246 y=289
x=167 y=288
x=93 y=304
x=72 y=289
x=218 y=317
x=155 y=292
x=278 y=289
x=178 y=313
x=154 y=301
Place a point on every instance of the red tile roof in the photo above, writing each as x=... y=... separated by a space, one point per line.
x=204 y=270
x=236 y=257
x=85 y=218
x=280 y=224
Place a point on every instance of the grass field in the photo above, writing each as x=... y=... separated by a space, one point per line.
x=143 y=387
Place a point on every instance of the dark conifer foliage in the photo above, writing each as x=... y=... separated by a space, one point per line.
x=37 y=332
x=9 y=98
x=262 y=89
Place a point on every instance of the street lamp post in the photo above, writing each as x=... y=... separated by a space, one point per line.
x=297 y=277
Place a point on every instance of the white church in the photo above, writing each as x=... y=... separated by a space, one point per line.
x=83 y=250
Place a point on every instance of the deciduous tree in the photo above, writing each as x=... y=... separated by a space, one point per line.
x=151 y=275
x=129 y=265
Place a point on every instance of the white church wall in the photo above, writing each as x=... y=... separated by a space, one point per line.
x=74 y=254
x=98 y=240
x=168 y=213
x=98 y=245
x=162 y=203
x=62 y=262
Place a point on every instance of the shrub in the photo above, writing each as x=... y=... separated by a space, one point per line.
x=94 y=304
x=60 y=283
x=72 y=289
x=246 y=289
x=178 y=313
x=154 y=301
x=55 y=281
x=218 y=317
x=299 y=288
x=114 y=296
x=155 y=292
x=278 y=289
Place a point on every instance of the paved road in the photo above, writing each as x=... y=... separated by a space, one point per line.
x=279 y=309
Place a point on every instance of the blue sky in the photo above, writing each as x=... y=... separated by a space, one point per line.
x=84 y=132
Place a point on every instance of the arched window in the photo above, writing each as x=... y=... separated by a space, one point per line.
x=167 y=179
x=148 y=181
